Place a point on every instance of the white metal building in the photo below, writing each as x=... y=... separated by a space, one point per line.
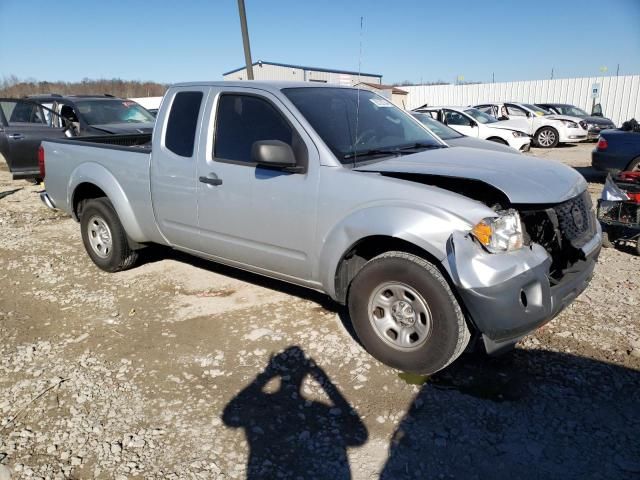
x=263 y=70
x=619 y=96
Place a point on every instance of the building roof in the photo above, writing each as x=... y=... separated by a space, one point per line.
x=316 y=69
x=380 y=86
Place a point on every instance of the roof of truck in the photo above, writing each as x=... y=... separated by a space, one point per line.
x=267 y=85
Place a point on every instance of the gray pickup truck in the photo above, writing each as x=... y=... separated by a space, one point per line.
x=336 y=189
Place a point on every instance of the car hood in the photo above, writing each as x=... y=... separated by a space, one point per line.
x=563 y=117
x=523 y=179
x=471 y=142
x=598 y=120
x=122 y=128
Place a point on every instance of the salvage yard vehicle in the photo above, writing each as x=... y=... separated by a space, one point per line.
x=474 y=123
x=338 y=190
x=619 y=210
x=617 y=150
x=454 y=138
x=547 y=130
x=24 y=123
x=595 y=123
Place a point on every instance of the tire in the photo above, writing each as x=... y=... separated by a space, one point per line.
x=634 y=166
x=443 y=333
x=547 y=137
x=497 y=140
x=104 y=237
x=606 y=242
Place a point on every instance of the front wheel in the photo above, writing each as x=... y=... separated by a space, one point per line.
x=547 y=137
x=104 y=237
x=406 y=315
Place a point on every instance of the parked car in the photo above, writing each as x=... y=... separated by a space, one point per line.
x=617 y=150
x=23 y=125
x=26 y=122
x=474 y=123
x=595 y=124
x=336 y=189
x=454 y=138
x=547 y=130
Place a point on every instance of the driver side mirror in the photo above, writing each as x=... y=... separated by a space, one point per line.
x=274 y=154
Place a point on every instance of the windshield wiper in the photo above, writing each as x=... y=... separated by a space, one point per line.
x=392 y=151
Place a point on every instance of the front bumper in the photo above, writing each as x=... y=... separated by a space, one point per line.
x=572 y=135
x=509 y=295
x=522 y=144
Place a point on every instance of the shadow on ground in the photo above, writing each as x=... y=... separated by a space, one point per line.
x=530 y=415
x=289 y=435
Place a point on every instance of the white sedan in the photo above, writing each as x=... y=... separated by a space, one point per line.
x=547 y=130
x=475 y=124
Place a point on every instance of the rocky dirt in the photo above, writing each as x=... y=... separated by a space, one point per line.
x=184 y=369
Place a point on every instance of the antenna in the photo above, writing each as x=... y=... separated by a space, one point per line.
x=355 y=155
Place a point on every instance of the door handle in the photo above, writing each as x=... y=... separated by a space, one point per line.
x=211 y=181
x=16 y=136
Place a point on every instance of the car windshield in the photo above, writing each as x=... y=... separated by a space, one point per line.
x=535 y=109
x=440 y=129
x=571 y=110
x=104 y=112
x=481 y=117
x=358 y=125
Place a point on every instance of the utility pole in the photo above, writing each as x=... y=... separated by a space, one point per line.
x=245 y=39
x=618 y=70
x=551 y=73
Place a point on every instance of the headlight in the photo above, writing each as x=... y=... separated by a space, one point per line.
x=500 y=234
x=519 y=134
x=569 y=123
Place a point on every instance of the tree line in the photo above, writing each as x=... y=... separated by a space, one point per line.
x=12 y=86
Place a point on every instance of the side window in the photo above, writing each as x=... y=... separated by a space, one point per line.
x=514 y=111
x=456 y=118
x=485 y=109
x=245 y=119
x=23 y=112
x=182 y=123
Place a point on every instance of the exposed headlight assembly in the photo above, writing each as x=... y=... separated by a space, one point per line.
x=517 y=134
x=500 y=234
x=569 y=123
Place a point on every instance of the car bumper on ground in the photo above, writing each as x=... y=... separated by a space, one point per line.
x=608 y=162
x=508 y=295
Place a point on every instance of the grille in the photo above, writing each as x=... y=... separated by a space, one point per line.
x=576 y=219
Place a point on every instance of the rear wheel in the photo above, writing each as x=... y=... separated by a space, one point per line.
x=634 y=166
x=405 y=313
x=547 y=137
x=104 y=237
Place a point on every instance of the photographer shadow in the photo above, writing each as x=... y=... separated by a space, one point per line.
x=290 y=435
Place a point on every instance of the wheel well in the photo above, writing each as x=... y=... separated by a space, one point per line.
x=498 y=140
x=366 y=249
x=85 y=191
x=632 y=163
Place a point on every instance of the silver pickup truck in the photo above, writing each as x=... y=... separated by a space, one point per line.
x=336 y=189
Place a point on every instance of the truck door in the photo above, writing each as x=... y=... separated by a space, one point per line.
x=249 y=214
x=173 y=166
x=23 y=125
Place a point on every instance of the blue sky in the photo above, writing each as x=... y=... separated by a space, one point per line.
x=170 y=41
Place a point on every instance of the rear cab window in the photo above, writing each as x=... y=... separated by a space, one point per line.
x=180 y=134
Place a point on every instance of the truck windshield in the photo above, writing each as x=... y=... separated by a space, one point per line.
x=358 y=125
x=104 y=112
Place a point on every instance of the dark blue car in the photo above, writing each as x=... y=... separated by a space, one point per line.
x=617 y=150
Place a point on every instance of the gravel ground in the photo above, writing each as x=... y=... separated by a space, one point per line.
x=183 y=369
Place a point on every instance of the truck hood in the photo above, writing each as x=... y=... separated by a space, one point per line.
x=523 y=179
x=122 y=128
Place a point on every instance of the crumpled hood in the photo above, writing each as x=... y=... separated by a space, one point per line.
x=122 y=128
x=523 y=179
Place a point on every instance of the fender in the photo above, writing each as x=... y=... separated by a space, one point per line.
x=421 y=225
x=96 y=174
